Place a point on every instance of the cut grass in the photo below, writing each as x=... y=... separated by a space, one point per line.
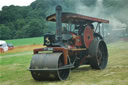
x=26 y=41
x=14 y=70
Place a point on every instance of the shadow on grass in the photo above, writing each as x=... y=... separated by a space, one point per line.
x=83 y=68
x=80 y=69
x=44 y=82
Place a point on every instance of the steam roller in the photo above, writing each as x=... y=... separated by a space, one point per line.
x=76 y=42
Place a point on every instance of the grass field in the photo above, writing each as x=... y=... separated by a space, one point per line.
x=13 y=68
x=26 y=41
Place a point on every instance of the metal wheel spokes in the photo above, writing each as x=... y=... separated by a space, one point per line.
x=62 y=73
x=99 y=57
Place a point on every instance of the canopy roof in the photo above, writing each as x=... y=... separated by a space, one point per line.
x=75 y=18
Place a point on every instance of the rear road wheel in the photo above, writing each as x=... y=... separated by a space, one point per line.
x=98 y=54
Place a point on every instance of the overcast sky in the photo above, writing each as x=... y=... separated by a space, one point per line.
x=15 y=2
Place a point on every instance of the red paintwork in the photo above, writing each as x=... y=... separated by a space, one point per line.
x=59 y=49
x=88 y=36
x=78 y=41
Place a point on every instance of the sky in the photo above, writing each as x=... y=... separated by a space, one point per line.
x=15 y=2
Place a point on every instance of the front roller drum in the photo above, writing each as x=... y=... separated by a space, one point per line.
x=48 y=67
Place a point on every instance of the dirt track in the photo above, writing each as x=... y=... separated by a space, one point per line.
x=20 y=50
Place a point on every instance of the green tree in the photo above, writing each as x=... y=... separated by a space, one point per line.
x=4 y=32
x=34 y=28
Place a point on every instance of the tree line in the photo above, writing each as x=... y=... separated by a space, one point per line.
x=29 y=21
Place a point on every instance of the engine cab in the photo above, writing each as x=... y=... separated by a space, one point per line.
x=72 y=36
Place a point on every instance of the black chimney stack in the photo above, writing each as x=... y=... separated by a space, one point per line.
x=58 y=23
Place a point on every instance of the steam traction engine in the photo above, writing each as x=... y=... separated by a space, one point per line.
x=75 y=43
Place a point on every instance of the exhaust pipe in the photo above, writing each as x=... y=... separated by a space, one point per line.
x=58 y=23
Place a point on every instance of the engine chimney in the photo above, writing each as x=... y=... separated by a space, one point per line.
x=58 y=23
